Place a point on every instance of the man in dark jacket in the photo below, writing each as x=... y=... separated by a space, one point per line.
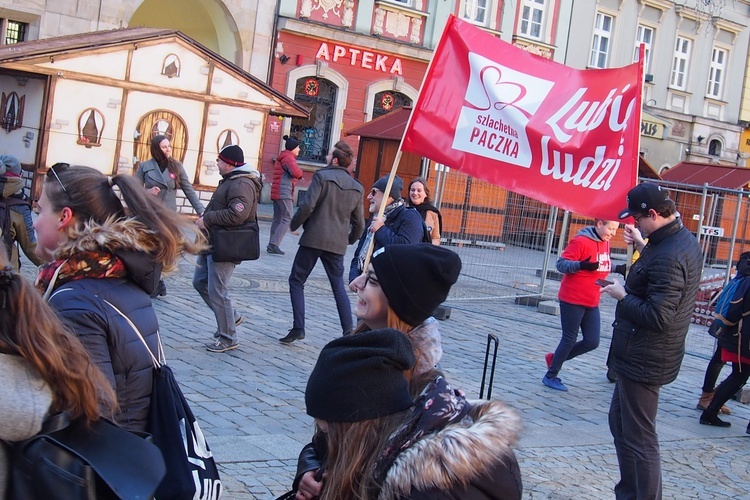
x=234 y=202
x=648 y=343
x=331 y=212
x=400 y=224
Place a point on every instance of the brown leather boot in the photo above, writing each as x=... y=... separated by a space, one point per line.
x=705 y=400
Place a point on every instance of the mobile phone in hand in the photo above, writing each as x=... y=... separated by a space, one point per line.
x=602 y=282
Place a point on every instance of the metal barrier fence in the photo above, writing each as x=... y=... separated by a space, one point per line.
x=509 y=243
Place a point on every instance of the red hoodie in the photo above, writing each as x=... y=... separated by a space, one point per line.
x=578 y=287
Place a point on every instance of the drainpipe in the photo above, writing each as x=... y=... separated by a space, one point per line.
x=274 y=41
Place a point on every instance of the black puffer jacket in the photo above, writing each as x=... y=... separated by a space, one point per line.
x=112 y=344
x=651 y=322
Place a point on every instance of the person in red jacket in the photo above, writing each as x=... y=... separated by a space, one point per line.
x=285 y=175
x=584 y=260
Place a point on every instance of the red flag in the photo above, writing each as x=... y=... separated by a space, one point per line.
x=563 y=136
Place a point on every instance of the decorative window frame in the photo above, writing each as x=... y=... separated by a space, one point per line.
x=725 y=77
x=319 y=70
x=165 y=63
x=690 y=63
x=546 y=32
x=652 y=48
x=491 y=23
x=80 y=139
x=395 y=84
x=612 y=36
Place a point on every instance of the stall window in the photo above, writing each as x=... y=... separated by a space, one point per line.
x=314 y=133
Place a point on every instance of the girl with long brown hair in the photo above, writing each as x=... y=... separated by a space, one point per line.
x=106 y=248
x=43 y=367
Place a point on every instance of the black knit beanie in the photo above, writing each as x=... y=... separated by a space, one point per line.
x=232 y=155
x=290 y=143
x=361 y=377
x=415 y=278
x=396 y=187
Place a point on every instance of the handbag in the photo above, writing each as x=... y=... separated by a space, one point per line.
x=191 y=468
x=236 y=243
x=72 y=460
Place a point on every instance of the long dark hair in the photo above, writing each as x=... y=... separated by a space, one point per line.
x=89 y=195
x=30 y=328
x=163 y=160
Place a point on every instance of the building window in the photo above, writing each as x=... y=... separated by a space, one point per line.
x=644 y=35
x=716 y=73
x=475 y=11
x=600 y=46
x=314 y=133
x=532 y=18
x=387 y=101
x=681 y=63
x=714 y=148
x=15 y=32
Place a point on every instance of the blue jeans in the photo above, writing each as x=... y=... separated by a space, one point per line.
x=573 y=318
x=211 y=281
x=632 y=422
x=304 y=262
x=282 y=217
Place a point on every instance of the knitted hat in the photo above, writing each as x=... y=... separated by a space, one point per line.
x=415 y=278
x=396 y=187
x=11 y=164
x=361 y=377
x=232 y=155
x=643 y=198
x=290 y=143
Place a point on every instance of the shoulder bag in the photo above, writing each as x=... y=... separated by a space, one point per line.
x=191 y=469
x=73 y=461
x=236 y=243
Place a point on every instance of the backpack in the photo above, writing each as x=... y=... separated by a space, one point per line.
x=733 y=291
x=5 y=220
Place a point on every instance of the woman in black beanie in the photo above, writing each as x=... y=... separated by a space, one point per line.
x=441 y=445
x=401 y=288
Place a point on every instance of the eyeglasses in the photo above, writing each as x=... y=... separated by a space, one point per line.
x=374 y=191
x=638 y=217
x=59 y=166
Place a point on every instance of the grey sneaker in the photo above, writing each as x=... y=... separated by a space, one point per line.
x=220 y=346
x=239 y=320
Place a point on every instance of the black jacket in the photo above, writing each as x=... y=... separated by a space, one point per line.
x=651 y=322
x=737 y=339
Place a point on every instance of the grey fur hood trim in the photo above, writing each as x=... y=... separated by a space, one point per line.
x=113 y=235
x=456 y=455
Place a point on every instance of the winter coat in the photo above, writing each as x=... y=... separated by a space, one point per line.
x=426 y=338
x=235 y=200
x=403 y=226
x=285 y=175
x=150 y=174
x=26 y=399
x=110 y=341
x=578 y=287
x=469 y=459
x=737 y=339
x=330 y=211
x=652 y=320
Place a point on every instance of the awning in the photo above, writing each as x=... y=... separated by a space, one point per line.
x=697 y=174
x=390 y=126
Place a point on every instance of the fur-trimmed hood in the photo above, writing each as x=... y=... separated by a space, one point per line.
x=126 y=238
x=478 y=448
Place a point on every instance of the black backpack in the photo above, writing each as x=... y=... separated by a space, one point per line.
x=5 y=221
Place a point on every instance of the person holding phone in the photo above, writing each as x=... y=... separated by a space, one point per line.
x=584 y=262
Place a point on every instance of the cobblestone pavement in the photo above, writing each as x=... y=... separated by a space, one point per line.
x=250 y=401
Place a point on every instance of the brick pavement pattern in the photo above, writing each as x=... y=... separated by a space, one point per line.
x=250 y=401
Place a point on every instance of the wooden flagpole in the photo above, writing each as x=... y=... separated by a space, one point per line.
x=641 y=66
x=397 y=158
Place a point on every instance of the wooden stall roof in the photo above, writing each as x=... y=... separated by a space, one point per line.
x=72 y=44
x=390 y=126
x=646 y=170
x=697 y=174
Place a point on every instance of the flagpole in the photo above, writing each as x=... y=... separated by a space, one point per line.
x=641 y=66
x=397 y=158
